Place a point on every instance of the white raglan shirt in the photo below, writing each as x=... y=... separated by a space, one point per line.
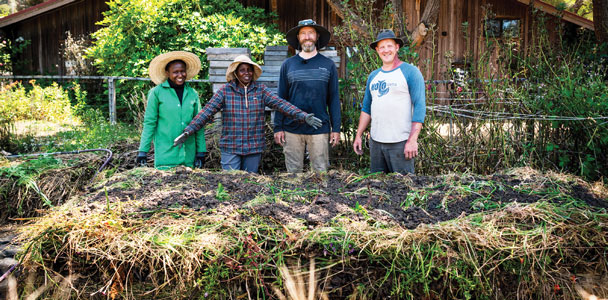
x=389 y=101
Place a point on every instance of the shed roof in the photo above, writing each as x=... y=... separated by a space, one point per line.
x=33 y=11
x=52 y=4
x=566 y=15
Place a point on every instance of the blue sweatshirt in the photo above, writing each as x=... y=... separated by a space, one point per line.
x=311 y=85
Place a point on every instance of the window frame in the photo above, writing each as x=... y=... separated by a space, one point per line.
x=501 y=28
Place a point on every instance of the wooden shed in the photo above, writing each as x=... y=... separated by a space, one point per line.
x=46 y=26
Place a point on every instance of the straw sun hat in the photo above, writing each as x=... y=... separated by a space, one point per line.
x=257 y=70
x=158 y=64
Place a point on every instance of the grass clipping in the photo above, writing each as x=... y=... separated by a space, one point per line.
x=541 y=250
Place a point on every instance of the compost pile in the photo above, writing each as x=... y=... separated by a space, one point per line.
x=316 y=199
x=183 y=233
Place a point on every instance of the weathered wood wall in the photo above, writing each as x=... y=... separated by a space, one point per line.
x=448 y=38
x=292 y=11
x=47 y=33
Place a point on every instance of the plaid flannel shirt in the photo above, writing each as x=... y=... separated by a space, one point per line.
x=243 y=118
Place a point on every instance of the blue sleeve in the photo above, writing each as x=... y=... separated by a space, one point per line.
x=366 y=105
x=283 y=92
x=334 y=100
x=415 y=83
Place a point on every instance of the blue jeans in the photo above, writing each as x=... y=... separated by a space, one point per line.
x=389 y=158
x=249 y=162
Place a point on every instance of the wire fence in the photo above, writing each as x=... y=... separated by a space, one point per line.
x=457 y=103
x=111 y=81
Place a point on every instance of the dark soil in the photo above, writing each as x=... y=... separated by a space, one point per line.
x=316 y=199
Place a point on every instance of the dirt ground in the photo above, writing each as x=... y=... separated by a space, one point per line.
x=318 y=198
x=314 y=198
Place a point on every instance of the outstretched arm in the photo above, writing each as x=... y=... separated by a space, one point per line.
x=213 y=106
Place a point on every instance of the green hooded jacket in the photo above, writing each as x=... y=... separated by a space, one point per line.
x=165 y=119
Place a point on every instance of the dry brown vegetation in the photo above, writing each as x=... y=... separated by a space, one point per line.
x=144 y=233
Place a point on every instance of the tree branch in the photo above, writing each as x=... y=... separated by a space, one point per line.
x=344 y=13
x=429 y=16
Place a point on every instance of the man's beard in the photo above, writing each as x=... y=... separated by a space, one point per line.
x=308 y=47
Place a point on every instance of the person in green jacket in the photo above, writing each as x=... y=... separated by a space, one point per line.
x=172 y=104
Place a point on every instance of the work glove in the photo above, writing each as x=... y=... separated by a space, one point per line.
x=142 y=159
x=199 y=160
x=313 y=121
x=178 y=141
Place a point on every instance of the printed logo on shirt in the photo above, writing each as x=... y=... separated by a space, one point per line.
x=382 y=87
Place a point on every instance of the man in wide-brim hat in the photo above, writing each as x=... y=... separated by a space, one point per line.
x=243 y=101
x=309 y=81
x=171 y=106
x=394 y=104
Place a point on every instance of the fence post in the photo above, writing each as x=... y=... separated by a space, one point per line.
x=112 y=100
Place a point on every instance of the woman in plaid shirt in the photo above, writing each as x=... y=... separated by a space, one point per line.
x=242 y=101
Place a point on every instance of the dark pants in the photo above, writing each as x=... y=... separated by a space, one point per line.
x=389 y=158
x=249 y=163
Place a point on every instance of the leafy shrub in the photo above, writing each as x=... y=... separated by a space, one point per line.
x=51 y=103
x=569 y=82
x=10 y=51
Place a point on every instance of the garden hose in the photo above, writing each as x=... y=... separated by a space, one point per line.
x=105 y=163
x=8 y=272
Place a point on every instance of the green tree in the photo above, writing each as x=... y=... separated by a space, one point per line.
x=138 y=30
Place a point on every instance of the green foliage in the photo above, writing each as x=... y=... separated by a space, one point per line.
x=221 y=194
x=50 y=103
x=360 y=209
x=585 y=10
x=135 y=32
x=26 y=175
x=81 y=127
x=96 y=133
x=9 y=51
x=5 y=10
x=5 y=56
x=566 y=81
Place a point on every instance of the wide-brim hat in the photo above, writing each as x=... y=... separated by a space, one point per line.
x=257 y=70
x=158 y=64
x=386 y=34
x=322 y=41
